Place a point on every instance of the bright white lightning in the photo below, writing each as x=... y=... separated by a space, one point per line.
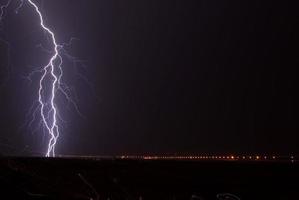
x=49 y=116
x=50 y=82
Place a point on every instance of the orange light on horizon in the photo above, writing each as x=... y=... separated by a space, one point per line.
x=257 y=157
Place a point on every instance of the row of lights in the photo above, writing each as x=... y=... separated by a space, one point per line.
x=202 y=157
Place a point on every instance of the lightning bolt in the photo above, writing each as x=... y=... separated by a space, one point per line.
x=50 y=81
x=48 y=108
x=2 y=8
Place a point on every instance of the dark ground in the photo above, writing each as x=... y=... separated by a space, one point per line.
x=62 y=178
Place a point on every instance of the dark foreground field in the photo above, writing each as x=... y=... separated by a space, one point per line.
x=62 y=178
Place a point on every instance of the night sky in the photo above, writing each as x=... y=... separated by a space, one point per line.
x=165 y=77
